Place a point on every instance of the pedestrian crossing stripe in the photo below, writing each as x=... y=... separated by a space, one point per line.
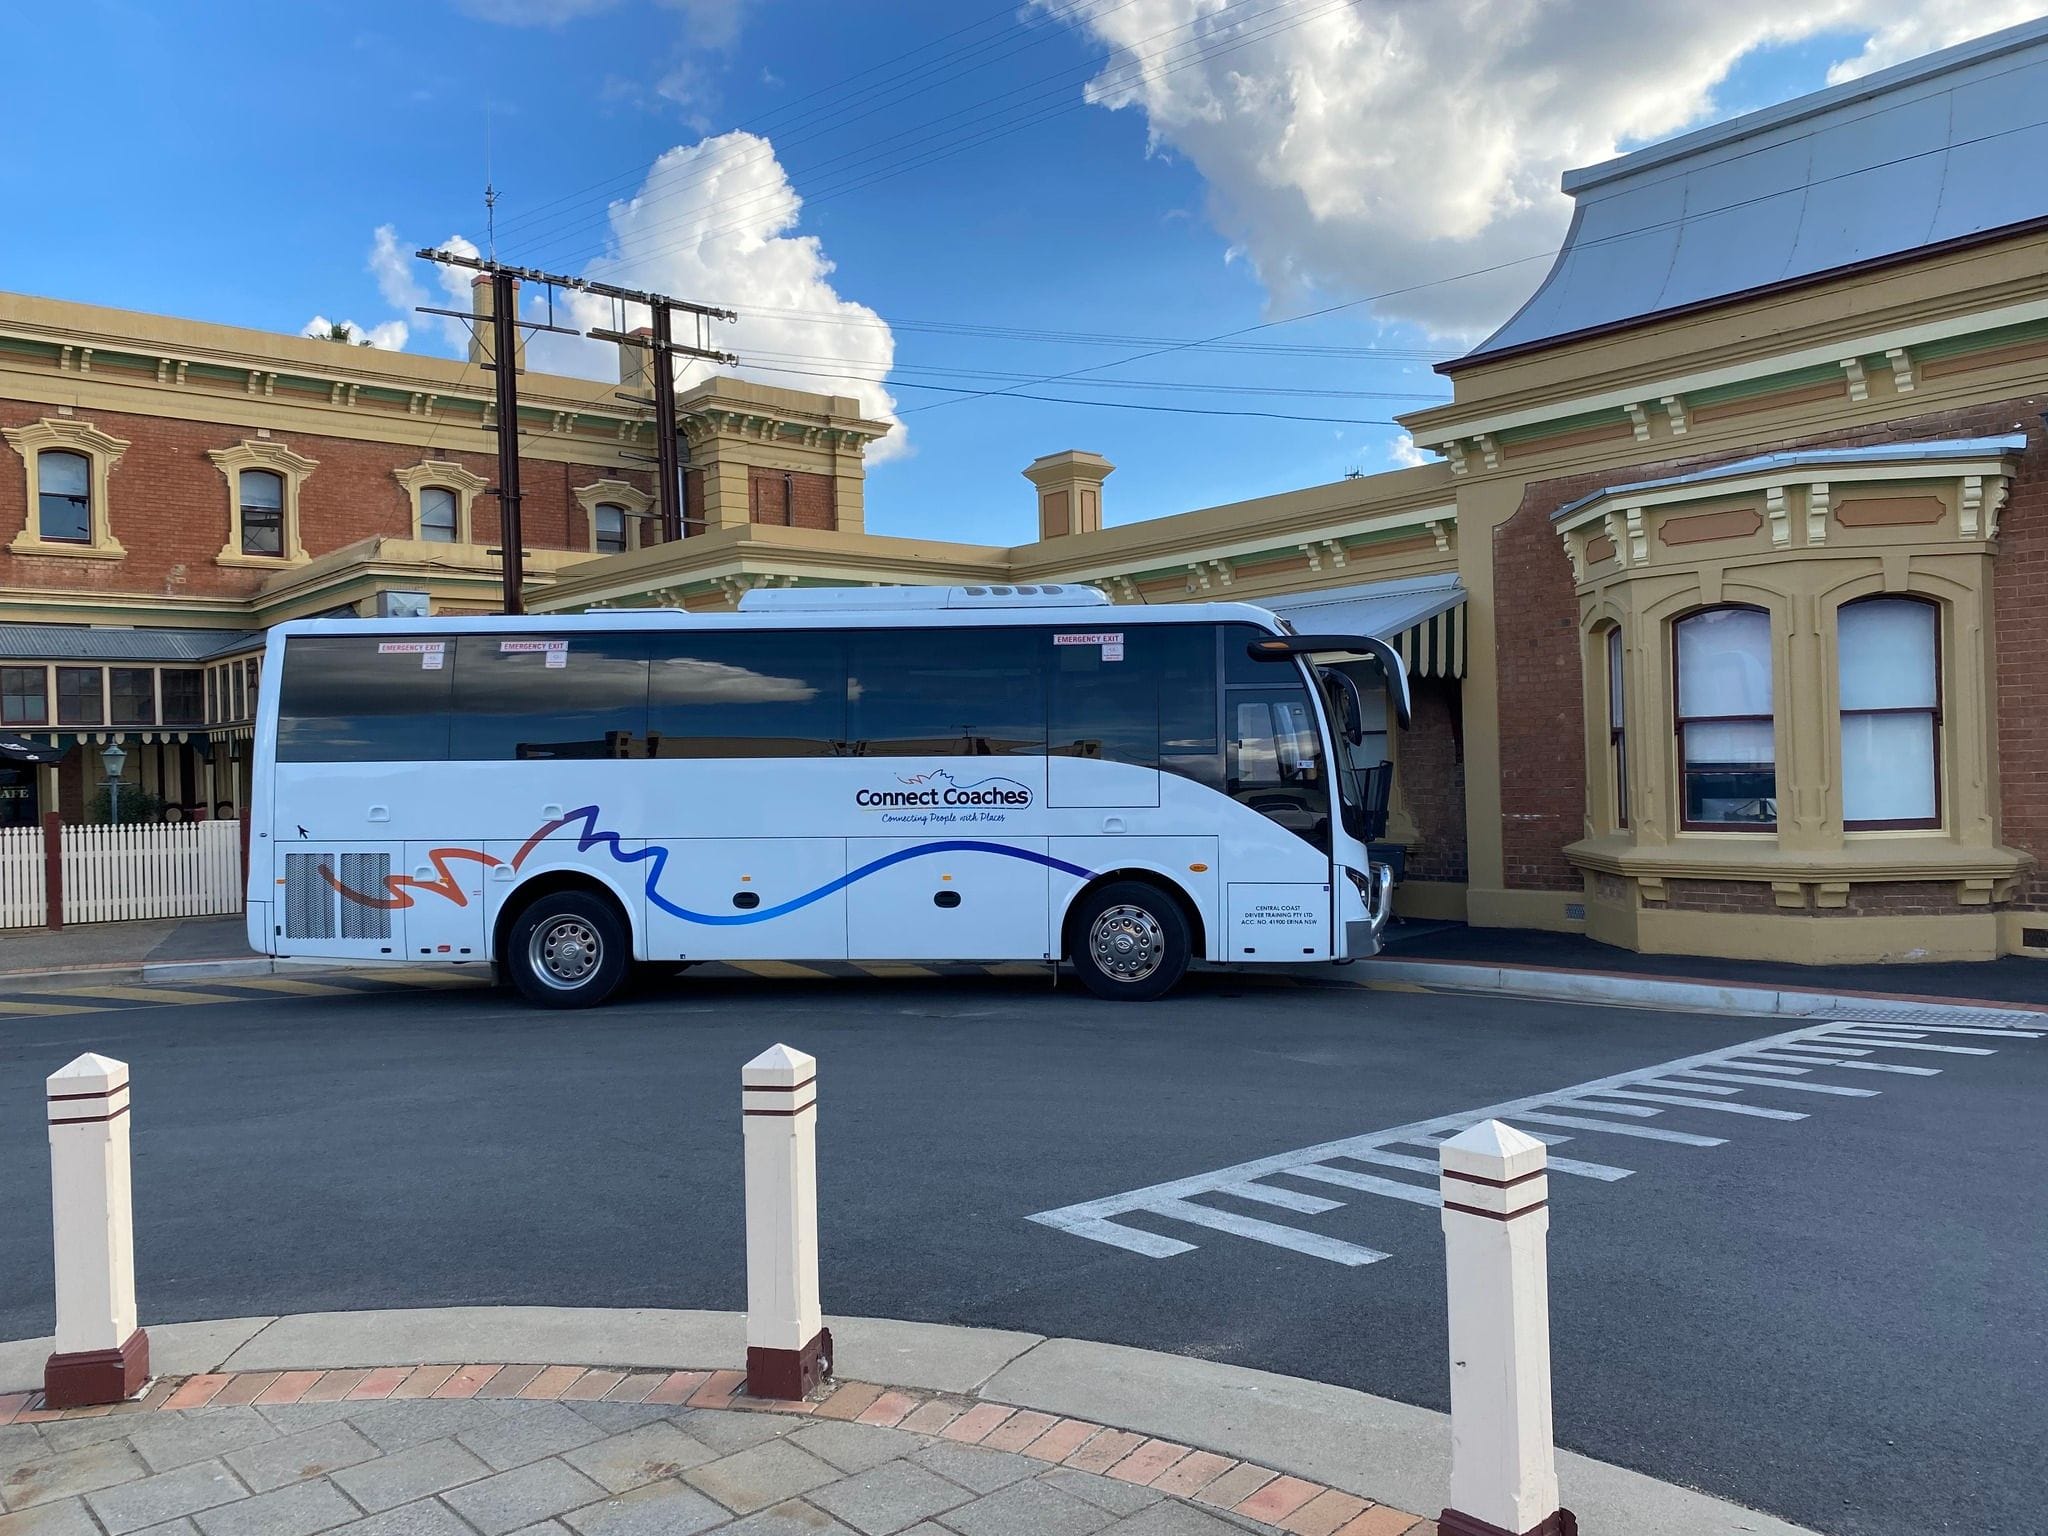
x=1721 y=1085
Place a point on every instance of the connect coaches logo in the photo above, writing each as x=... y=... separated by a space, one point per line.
x=939 y=789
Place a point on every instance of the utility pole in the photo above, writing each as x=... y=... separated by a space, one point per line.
x=505 y=328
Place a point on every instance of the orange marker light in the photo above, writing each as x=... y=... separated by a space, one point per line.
x=1199 y=868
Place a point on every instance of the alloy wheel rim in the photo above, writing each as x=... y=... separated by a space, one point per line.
x=1127 y=943
x=565 y=952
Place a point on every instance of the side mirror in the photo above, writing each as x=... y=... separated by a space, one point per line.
x=1352 y=704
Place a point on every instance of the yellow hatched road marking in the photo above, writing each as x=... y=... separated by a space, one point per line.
x=1018 y=968
x=430 y=976
x=290 y=984
x=149 y=995
x=1395 y=986
x=780 y=970
x=42 y=1010
x=876 y=968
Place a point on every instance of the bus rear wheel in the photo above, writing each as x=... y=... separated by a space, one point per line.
x=1129 y=941
x=567 y=950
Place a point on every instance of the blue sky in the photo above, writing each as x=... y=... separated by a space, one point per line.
x=233 y=162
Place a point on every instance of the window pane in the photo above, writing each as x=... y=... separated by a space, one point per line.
x=79 y=697
x=1724 y=663
x=65 y=495
x=134 y=690
x=549 y=696
x=363 y=699
x=24 y=696
x=1154 y=706
x=262 y=512
x=1273 y=759
x=262 y=489
x=438 y=520
x=754 y=693
x=1887 y=654
x=933 y=693
x=1614 y=713
x=1888 y=767
x=1730 y=777
x=184 y=698
x=611 y=529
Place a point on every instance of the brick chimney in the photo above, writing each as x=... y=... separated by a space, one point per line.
x=482 y=336
x=1069 y=491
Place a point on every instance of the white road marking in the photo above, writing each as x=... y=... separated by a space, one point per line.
x=1693 y=1082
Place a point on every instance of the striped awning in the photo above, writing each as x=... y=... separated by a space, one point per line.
x=1420 y=616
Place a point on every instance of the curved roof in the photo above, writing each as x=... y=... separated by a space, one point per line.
x=1940 y=149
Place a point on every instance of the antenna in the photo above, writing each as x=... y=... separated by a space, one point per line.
x=490 y=190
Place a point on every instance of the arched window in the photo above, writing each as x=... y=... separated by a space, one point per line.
x=1617 y=733
x=609 y=526
x=1889 y=654
x=1727 y=755
x=261 y=493
x=440 y=518
x=64 y=486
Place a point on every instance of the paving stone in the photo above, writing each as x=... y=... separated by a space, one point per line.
x=290 y=1418
x=855 y=1447
x=1172 y=1518
x=793 y=1517
x=520 y=1497
x=182 y=1526
x=545 y=1528
x=889 y=1498
x=166 y=1496
x=73 y=1434
x=728 y=1432
x=296 y=1458
x=660 y=1509
x=1035 y=1508
x=296 y=1510
x=424 y=1517
x=1118 y=1498
x=531 y=1432
x=760 y=1476
x=414 y=1473
x=613 y=1418
x=172 y=1440
x=393 y=1426
x=971 y=1467
x=18 y=1442
x=644 y=1455
x=63 y=1517
x=46 y=1477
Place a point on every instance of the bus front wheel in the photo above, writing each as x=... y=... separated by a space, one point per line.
x=567 y=950
x=1129 y=941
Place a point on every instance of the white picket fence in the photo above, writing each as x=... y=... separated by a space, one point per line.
x=119 y=874
x=23 y=903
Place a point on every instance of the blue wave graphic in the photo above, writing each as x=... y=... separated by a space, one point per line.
x=655 y=857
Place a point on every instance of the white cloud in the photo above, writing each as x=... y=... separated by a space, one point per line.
x=712 y=223
x=1403 y=453
x=397 y=272
x=389 y=337
x=1353 y=150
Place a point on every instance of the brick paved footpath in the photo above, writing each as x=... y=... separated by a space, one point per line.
x=532 y=1450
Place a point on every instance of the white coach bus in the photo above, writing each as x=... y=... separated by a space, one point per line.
x=912 y=773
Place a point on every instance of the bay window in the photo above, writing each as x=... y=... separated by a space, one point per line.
x=1890 y=675
x=1727 y=751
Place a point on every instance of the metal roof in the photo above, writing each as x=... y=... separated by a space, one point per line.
x=1877 y=453
x=79 y=642
x=1383 y=609
x=1939 y=149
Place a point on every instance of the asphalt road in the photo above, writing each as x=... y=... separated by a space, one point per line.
x=1841 y=1319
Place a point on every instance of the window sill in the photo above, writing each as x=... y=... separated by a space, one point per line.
x=230 y=556
x=29 y=544
x=1862 y=859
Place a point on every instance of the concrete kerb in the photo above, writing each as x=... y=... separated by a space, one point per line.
x=1370 y=1446
x=1640 y=991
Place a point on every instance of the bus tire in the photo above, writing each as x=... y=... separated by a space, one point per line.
x=1129 y=941
x=567 y=950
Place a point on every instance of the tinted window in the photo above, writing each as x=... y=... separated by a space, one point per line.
x=954 y=692
x=24 y=698
x=79 y=696
x=549 y=696
x=134 y=695
x=1275 y=759
x=1147 y=697
x=363 y=699
x=747 y=694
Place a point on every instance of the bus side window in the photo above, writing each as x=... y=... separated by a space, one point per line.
x=965 y=692
x=1154 y=705
x=747 y=693
x=1275 y=758
x=364 y=699
x=536 y=697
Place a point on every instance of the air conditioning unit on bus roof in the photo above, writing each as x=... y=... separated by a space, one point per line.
x=913 y=599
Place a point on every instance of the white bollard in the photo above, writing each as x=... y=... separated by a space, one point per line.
x=788 y=1350
x=101 y=1356
x=1496 y=1222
